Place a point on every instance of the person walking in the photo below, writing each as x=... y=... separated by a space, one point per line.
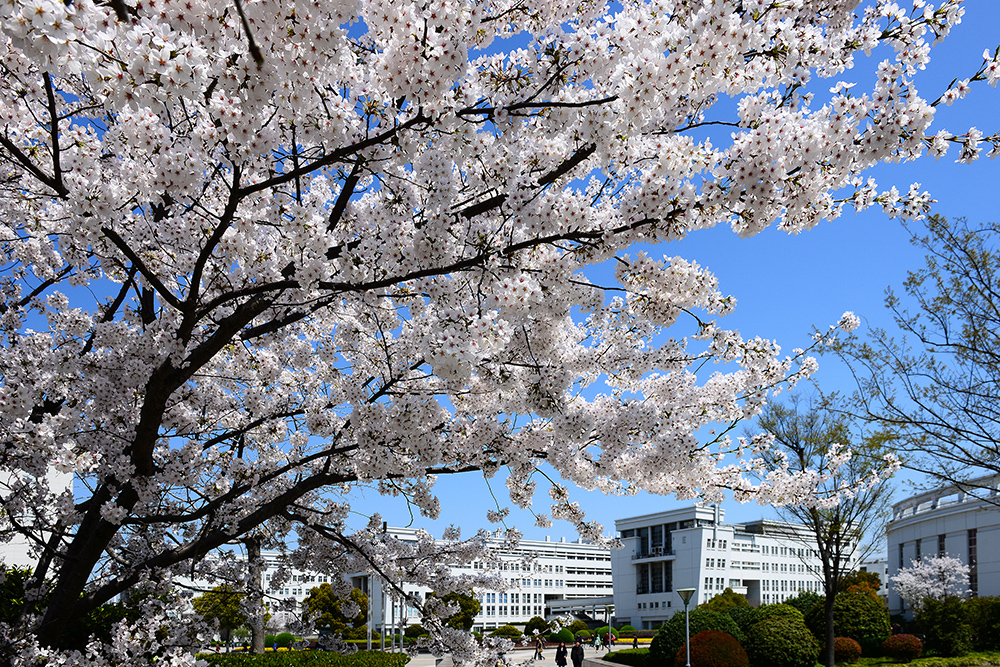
x=576 y=655
x=538 y=648
x=561 y=655
x=635 y=642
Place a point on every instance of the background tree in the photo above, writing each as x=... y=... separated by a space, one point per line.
x=255 y=258
x=334 y=613
x=538 y=625
x=223 y=605
x=468 y=608
x=809 y=437
x=724 y=600
x=931 y=578
x=861 y=579
x=934 y=385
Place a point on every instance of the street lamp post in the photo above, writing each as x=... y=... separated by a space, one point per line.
x=686 y=594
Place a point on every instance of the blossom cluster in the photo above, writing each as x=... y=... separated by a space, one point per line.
x=259 y=254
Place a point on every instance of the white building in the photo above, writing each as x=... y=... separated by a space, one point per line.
x=544 y=578
x=768 y=561
x=880 y=568
x=952 y=521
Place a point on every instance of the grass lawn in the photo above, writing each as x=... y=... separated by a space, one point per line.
x=969 y=660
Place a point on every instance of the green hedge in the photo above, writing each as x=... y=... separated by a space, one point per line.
x=781 y=641
x=633 y=657
x=306 y=659
x=670 y=636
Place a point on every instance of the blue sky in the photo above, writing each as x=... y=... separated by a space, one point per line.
x=786 y=285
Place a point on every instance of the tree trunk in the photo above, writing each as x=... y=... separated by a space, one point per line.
x=255 y=595
x=828 y=654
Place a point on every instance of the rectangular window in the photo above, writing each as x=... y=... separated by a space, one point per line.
x=918 y=549
x=901 y=563
x=973 y=562
x=657 y=572
x=941 y=545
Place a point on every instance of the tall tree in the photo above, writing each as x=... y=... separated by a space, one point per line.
x=811 y=439
x=335 y=613
x=223 y=605
x=936 y=383
x=468 y=608
x=256 y=254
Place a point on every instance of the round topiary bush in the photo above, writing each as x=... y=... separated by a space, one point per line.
x=508 y=631
x=603 y=631
x=269 y=640
x=902 y=648
x=858 y=614
x=670 y=636
x=744 y=617
x=626 y=629
x=565 y=635
x=284 y=639
x=767 y=611
x=585 y=634
x=781 y=641
x=711 y=648
x=845 y=649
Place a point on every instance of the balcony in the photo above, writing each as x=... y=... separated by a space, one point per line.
x=656 y=552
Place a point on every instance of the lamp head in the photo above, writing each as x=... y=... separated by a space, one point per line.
x=686 y=594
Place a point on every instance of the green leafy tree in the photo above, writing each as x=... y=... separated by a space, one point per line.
x=934 y=382
x=858 y=613
x=670 y=637
x=860 y=579
x=327 y=608
x=224 y=605
x=508 y=631
x=465 y=617
x=578 y=626
x=810 y=437
x=805 y=601
x=537 y=623
x=724 y=600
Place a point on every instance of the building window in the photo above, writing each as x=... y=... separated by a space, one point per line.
x=941 y=545
x=973 y=563
x=918 y=549
x=901 y=563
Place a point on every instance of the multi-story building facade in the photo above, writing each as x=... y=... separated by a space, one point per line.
x=950 y=520
x=539 y=575
x=768 y=561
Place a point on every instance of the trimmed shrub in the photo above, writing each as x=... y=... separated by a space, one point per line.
x=564 y=635
x=670 y=636
x=944 y=626
x=414 y=631
x=983 y=617
x=603 y=631
x=805 y=601
x=744 y=617
x=269 y=640
x=626 y=629
x=711 y=648
x=284 y=639
x=585 y=634
x=858 y=614
x=578 y=626
x=633 y=657
x=766 y=611
x=781 y=641
x=726 y=599
x=506 y=631
x=845 y=649
x=902 y=648
x=305 y=659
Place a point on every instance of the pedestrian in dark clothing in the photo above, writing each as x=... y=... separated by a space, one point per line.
x=635 y=642
x=538 y=649
x=576 y=655
x=561 y=655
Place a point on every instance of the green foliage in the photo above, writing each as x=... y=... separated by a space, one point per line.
x=857 y=578
x=12 y=593
x=506 y=631
x=536 y=623
x=565 y=635
x=270 y=639
x=670 y=636
x=326 y=607
x=859 y=614
x=414 y=631
x=902 y=648
x=944 y=625
x=744 y=617
x=284 y=639
x=805 y=601
x=846 y=649
x=766 y=611
x=724 y=600
x=585 y=634
x=781 y=640
x=578 y=626
x=603 y=631
x=633 y=657
x=468 y=608
x=983 y=617
x=626 y=629
x=223 y=605
x=711 y=648
x=306 y=659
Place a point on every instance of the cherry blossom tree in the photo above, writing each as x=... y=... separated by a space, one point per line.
x=258 y=254
x=932 y=577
